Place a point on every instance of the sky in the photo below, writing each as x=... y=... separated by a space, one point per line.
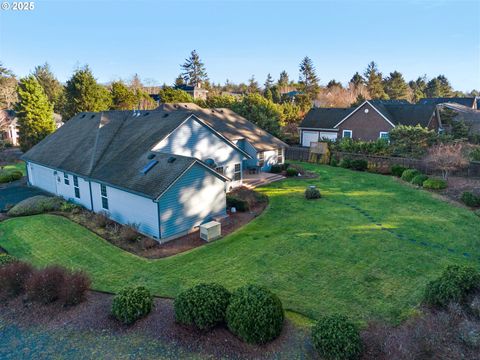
x=238 y=39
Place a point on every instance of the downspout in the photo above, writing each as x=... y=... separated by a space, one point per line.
x=91 y=196
x=28 y=177
x=158 y=216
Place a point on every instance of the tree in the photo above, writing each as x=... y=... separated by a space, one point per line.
x=418 y=88
x=123 y=98
x=171 y=95
x=179 y=81
x=374 y=82
x=34 y=112
x=448 y=157
x=283 y=80
x=83 y=93
x=268 y=87
x=221 y=101
x=411 y=141
x=439 y=87
x=308 y=78
x=276 y=96
x=252 y=87
x=52 y=87
x=143 y=99
x=333 y=83
x=396 y=87
x=194 y=71
x=357 y=80
x=8 y=88
x=358 y=101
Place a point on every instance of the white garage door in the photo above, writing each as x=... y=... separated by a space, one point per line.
x=43 y=178
x=308 y=137
x=328 y=135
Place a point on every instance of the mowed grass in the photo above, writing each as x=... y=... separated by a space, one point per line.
x=366 y=249
x=20 y=165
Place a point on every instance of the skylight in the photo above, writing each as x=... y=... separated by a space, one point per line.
x=149 y=166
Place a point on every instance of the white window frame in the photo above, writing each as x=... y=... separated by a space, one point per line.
x=351 y=134
x=261 y=158
x=383 y=133
x=220 y=170
x=66 y=179
x=76 y=188
x=280 y=155
x=237 y=174
x=104 y=196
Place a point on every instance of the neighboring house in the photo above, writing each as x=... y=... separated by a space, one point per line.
x=165 y=172
x=196 y=91
x=470 y=102
x=10 y=134
x=465 y=114
x=264 y=148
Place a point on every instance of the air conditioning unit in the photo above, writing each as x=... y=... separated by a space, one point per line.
x=210 y=231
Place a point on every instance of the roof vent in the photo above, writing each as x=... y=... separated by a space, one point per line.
x=171 y=159
x=83 y=116
x=147 y=113
x=150 y=156
x=93 y=115
x=165 y=115
x=149 y=166
x=213 y=111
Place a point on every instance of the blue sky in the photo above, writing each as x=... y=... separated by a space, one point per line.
x=238 y=39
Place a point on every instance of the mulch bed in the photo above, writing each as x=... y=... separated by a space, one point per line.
x=94 y=315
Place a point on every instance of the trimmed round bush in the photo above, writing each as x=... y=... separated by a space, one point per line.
x=435 y=184
x=470 y=199
x=290 y=172
x=36 y=205
x=237 y=203
x=131 y=304
x=409 y=174
x=74 y=288
x=255 y=314
x=44 y=285
x=312 y=193
x=13 y=278
x=359 y=165
x=203 y=305
x=419 y=179
x=453 y=285
x=397 y=170
x=6 y=259
x=335 y=337
x=276 y=169
x=345 y=163
x=9 y=176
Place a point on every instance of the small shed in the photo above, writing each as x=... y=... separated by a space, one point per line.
x=210 y=231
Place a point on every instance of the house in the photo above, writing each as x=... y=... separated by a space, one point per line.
x=472 y=102
x=165 y=171
x=371 y=120
x=264 y=148
x=10 y=130
x=458 y=113
x=196 y=91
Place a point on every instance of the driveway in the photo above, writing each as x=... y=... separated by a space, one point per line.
x=14 y=193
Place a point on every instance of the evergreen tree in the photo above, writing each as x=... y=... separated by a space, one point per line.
x=358 y=101
x=194 y=71
x=179 y=81
x=268 y=87
x=418 y=88
x=171 y=95
x=396 y=87
x=375 y=82
x=308 y=78
x=333 y=83
x=8 y=88
x=83 y=93
x=123 y=98
x=52 y=87
x=283 y=81
x=276 y=97
x=34 y=112
x=357 y=80
x=439 y=87
x=252 y=86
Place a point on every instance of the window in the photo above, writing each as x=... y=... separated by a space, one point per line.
x=261 y=158
x=103 y=190
x=237 y=174
x=65 y=179
x=347 y=134
x=383 y=135
x=219 y=170
x=280 y=156
x=76 y=187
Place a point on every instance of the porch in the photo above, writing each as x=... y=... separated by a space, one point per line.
x=252 y=181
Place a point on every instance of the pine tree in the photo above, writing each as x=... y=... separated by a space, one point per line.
x=268 y=87
x=34 y=112
x=308 y=78
x=396 y=87
x=252 y=87
x=8 y=87
x=52 y=87
x=123 y=98
x=283 y=80
x=439 y=87
x=333 y=83
x=418 y=88
x=357 y=80
x=179 y=81
x=374 y=82
x=194 y=71
x=83 y=93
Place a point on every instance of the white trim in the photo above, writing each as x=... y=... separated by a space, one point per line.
x=354 y=111
x=382 y=133
x=311 y=128
x=351 y=134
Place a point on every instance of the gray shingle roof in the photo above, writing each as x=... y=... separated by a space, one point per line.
x=324 y=118
x=113 y=147
x=405 y=113
x=231 y=125
x=465 y=101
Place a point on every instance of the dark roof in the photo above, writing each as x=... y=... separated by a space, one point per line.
x=324 y=118
x=231 y=125
x=465 y=101
x=113 y=147
x=407 y=114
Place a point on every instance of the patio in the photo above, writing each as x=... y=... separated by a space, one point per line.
x=252 y=181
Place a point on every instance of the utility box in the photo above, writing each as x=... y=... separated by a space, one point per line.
x=210 y=231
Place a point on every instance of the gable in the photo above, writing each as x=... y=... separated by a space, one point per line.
x=365 y=115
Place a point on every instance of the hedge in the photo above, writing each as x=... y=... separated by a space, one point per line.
x=435 y=184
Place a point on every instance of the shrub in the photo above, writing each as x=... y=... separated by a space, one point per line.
x=435 y=184
x=6 y=259
x=203 y=305
x=74 y=288
x=299 y=168
x=129 y=233
x=13 y=278
x=101 y=220
x=237 y=203
x=397 y=170
x=312 y=193
x=419 y=179
x=44 y=285
x=9 y=176
x=276 y=169
x=359 y=165
x=131 y=304
x=336 y=337
x=470 y=199
x=477 y=213
x=345 y=163
x=255 y=314
x=36 y=205
x=453 y=285
x=409 y=174
x=333 y=162
x=291 y=171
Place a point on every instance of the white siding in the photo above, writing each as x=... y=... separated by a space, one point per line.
x=42 y=177
x=127 y=208
x=68 y=192
x=309 y=136
x=194 y=199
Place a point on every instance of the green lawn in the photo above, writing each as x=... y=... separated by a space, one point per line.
x=16 y=166
x=320 y=256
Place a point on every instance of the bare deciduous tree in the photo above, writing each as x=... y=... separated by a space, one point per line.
x=448 y=157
